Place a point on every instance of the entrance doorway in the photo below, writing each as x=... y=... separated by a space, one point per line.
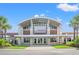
x=39 y=41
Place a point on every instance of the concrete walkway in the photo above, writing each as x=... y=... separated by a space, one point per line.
x=40 y=50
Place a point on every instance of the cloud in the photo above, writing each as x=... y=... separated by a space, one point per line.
x=67 y=7
x=36 y=15
x=42 y=14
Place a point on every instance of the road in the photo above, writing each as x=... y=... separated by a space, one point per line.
x=48 y=50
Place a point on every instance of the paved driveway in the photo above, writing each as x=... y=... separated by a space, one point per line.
x=46 y=50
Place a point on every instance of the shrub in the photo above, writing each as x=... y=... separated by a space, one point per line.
x=77 y=42
x=8 y=44
x=4 y=43
x=72 y=43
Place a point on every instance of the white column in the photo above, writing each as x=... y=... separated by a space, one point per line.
x=48 y=41
x=62 y=39
x=19 y=41
x=22 y=40
x=58 y=30
x=48 y=28
x=58 y=39
x=36 y=40
x=42 y=40
x=66 y=40
x=20 y=32
x=58 y=33
x=31 y=41
x=31 y=29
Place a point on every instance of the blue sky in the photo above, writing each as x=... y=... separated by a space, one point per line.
x=15 y=13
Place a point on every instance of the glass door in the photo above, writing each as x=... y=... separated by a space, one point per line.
x=35 y=41
x=45 y=40
x=39 y=41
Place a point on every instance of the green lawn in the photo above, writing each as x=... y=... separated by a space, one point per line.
x=17 y=47
x=61 y=46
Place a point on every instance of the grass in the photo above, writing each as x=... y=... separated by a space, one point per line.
x=17 y=47
x=61 y=46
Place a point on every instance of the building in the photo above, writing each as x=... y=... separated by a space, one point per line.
x=40 y=30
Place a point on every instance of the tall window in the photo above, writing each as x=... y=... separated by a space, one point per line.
x=40 y=28
x=26 y=40
x=53 y=40
x=26 y=27
x=53 y=27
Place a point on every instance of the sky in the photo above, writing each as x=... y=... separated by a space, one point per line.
x=17 y=12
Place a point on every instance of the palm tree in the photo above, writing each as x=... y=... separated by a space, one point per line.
x=75 y=24
x=72 y=24
x=76 y=18
x=4 y=26
x=3 y=20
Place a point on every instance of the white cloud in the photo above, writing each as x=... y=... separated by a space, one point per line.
x=42 y=15
x=67 y=7
x=36 y=15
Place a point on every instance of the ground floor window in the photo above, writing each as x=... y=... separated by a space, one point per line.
x=53 y=40
x=34 y=40
x=16 y=42
x=26 y=40
x=68 y=39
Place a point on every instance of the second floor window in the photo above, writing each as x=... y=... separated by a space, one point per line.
x=26 y=27
x=53 y=27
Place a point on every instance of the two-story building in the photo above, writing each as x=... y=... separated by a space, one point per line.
x=40 y=30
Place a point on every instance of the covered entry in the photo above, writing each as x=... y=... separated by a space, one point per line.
x=40 y=41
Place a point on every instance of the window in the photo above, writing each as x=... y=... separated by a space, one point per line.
x=27 y=27
x=26 y=40
x=53 y=40
x=68 y=39
x=53 y=27
x=24 y=27
x=39 y=29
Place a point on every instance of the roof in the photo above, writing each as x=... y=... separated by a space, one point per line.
x=69 y=33
x=43 y=35
x=44 y=17
x=9 y=33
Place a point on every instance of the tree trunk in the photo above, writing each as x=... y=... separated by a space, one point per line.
x=74 y=33
x=2 y=33
x=77 y=32
x=5 y=34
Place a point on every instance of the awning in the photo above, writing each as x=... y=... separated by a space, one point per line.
x=43 y=35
